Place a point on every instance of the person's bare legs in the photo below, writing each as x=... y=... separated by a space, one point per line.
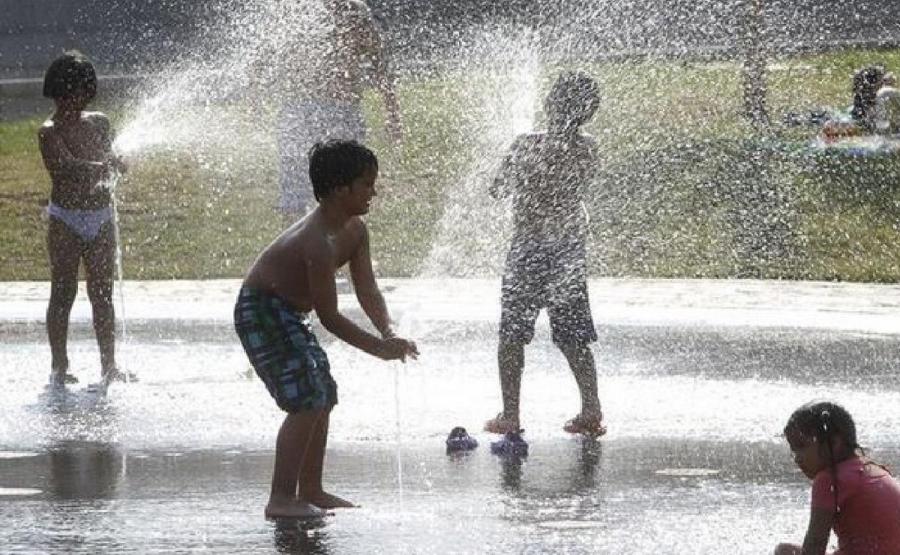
x=100 y=262
x=309 y=478
x=511 y=362
x=63 y=248
x=291 y=448
x=581 y=362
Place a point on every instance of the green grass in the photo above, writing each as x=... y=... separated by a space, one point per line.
x=680 y=196
x=24 y=188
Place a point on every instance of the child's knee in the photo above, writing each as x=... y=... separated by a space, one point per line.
x=511 y=353
x=100 y=295
x=575 y=350
x=62 y=295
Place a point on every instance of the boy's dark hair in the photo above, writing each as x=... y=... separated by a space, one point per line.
x=822 y=421
x=336 y=163
x=70 y=74
x=575 y=96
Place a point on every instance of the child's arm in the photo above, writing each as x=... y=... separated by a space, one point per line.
x=588 y=189
x=63 y=165
x=323 y=293
x=115 y=161
x=818 y=532
x=500 y=186
x=367 y=292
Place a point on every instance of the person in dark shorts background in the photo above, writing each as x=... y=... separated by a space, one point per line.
x=291 y=277
x=546 y=174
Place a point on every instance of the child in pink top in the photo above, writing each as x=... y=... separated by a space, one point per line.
x=856 y=497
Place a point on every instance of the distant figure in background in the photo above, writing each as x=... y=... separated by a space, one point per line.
x=863 y=118
x=324 y=96
x=866 y=83
x=547 y=174
x=753 y=44
x=887 y=106
x=77 y=150
x=292 y=277
x=856 y=497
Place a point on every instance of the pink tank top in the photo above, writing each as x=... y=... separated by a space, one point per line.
x=869 y=500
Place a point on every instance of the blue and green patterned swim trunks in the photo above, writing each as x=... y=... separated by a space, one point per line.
x=284 y=352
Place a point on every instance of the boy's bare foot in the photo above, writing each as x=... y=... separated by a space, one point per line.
x=292 y=508
x=116 y=375
x=326 y=500
x=501 y=425
x=590 y=425
x=58 y=378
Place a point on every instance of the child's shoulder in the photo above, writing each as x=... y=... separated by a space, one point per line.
x=587 y=139
x=48 y=127
x=357 y=226
x=844 y=470
x=529 y=139
x=315 y=229
x=358 y=6
x=95 y=118
x=358 y=11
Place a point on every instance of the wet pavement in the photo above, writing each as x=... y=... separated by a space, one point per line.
x=697 y=379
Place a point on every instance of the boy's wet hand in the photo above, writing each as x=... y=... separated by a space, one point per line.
x=397 y=348
x=413 y=350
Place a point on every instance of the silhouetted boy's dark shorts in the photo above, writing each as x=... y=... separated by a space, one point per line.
x=552 y=276
x=284 y=352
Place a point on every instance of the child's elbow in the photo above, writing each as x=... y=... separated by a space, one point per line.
x=330 y=320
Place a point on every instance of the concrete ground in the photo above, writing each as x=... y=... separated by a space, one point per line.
x=697 y=379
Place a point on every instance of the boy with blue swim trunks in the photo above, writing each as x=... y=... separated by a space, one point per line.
x=292 y=277
x=546 y=174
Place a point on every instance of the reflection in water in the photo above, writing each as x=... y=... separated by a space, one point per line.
x=81 y=427
x=584 y=476
x=84 y=478
x=511 y=473
x=80 y=470
x=581 y=477
x=306 y=537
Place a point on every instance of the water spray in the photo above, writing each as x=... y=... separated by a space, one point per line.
x=399 y=431
x=404 y=328
x=114 y=179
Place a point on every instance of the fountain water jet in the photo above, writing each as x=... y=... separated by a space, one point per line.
x=504 y=97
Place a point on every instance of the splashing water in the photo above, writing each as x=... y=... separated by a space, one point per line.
x=114 y=181
x=505 y=99
x=409 y=327
x=220 y=97
x=234 y=86
x=399 y=425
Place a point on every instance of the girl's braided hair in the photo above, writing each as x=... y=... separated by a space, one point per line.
x=823 y=421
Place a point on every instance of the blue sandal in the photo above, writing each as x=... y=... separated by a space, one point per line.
x=460 y=440
x=510 y=445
